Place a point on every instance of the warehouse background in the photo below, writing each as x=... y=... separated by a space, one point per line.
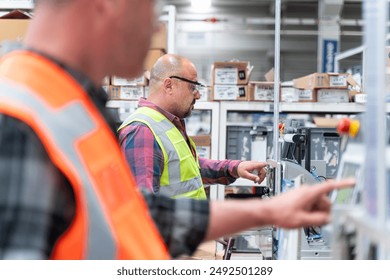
x=244 y=30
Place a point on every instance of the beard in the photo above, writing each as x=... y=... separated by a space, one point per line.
x=189 y=112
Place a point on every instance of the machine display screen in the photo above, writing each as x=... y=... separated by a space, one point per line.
x=349 y=170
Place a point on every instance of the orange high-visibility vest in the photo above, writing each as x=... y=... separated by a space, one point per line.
x=112 y=219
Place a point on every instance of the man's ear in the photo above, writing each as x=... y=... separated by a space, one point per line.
x=167 y=85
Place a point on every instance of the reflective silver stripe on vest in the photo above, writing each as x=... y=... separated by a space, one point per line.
x=66 y=126
x=176 y=187
x=182 y=187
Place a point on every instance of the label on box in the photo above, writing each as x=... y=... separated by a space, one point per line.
x=289 y=94
x=133 y=93
x=332 y=95
x=241 y=92
x=304 y=94
x=225 y=92
x=241 y=75
x=118 y=81
x=337 y=80
x=226 y=76
x=361 y=98
x=262 y=93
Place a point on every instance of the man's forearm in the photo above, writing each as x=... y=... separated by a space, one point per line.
x=232 y=216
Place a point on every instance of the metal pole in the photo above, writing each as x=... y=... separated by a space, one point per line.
x=375 y=187
x=276 y=154
x=171 y=9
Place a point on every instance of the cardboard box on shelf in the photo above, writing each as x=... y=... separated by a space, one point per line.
x=289 y=94
x=360 y=98
x=306 y=95
x=261 y=91
x=13 y=25
x=324 y=80
x=152 y=57
x=323 y=95
x=202 y=140
x=326 y=95
x=270 y=75
x=126 y=92
x=13 y=29
x=203 y=145
x=229 y=92
x=119 y=81
x=231 y=73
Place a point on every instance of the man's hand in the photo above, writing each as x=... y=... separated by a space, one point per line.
x=252 y=170
x=304 y=206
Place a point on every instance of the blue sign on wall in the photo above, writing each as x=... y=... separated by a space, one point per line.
x=328 y=54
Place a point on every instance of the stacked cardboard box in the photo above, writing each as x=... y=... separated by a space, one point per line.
x=124 y=94
x=261 y=91
x=127 y=89
x=264 y=91
x=13 y=27
x=324 y=87
x=230 y=80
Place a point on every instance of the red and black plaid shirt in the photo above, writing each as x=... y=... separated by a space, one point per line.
x=37 y=203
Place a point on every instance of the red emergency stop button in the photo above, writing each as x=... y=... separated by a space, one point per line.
x=348 y=126
x=343 y=126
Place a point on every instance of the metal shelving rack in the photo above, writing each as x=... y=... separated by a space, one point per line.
x=349 y=53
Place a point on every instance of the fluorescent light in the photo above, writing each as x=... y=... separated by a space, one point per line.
x=200 y=4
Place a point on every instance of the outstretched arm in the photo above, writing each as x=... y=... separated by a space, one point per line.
x=304 y=206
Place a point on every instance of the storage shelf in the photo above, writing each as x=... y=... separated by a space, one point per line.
x=294 y=107
x=10 y=5
x=323 y=107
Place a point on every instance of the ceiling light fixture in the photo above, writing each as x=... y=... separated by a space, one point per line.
x=200 y=4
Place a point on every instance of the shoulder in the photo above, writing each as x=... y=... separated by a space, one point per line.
x=135 y=130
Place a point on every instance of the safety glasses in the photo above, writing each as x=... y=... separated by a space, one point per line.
x=196 y=85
